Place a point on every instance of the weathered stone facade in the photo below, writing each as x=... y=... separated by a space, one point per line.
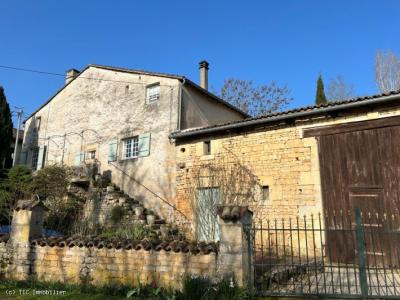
x=103 y=106
x=274 y=156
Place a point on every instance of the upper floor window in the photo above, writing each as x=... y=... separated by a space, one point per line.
x=207 y=147
x=153 y=93
x=38 y=121
x=131 y=147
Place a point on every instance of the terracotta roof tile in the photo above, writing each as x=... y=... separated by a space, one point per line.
x=145 y=244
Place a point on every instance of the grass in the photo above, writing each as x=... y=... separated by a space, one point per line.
x=26 y=289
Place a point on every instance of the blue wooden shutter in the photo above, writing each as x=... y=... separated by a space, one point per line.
x=112 y=150
x=23 y=158
x=41 y=156
x=144 y=144
x=78 y=158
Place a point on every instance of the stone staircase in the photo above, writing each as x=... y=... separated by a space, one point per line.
x=100 y=201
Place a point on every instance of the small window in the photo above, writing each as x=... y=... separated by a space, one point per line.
x=265 y=193
x=153 y=93
x=37 y=123
x=131 y=147
x=35 y=157
x=92 y=154
x=207 y=148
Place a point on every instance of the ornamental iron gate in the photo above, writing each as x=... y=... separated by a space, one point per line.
x=346 y=255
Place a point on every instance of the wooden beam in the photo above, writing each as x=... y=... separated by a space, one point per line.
x=353 y=126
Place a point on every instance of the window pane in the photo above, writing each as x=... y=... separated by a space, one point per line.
x=131 y=147
x=153 y=93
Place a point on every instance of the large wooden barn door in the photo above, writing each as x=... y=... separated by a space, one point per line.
x=360 y=168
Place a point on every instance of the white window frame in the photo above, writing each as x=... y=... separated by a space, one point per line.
x=130 y=147
x=153 y=93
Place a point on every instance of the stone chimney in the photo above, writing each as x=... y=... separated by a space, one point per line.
x=203 y=66
x=70 y=75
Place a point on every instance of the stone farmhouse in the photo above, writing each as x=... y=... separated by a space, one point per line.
x=120 y=120
x=326 y=159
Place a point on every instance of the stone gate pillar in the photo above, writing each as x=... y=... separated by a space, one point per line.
x=27 y=223
x=235 y=250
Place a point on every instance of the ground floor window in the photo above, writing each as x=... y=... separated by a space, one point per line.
x=131 y=147
x=35 y=157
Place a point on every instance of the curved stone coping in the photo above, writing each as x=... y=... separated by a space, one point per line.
x=145 y=244
x=4 y=237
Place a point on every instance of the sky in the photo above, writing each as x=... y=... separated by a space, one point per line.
x=288 y=41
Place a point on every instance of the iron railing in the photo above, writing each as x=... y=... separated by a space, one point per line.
x=338 y=255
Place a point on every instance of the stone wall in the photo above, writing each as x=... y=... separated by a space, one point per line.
x=101 y=261
x=275 y=156
x=100 y=266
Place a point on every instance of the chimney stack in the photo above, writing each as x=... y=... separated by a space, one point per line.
x=70 y=75
x=203 y=66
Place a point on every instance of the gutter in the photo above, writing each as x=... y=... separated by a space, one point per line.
x=294 y=115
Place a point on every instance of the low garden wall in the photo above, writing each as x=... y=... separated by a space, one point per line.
x=102 y=261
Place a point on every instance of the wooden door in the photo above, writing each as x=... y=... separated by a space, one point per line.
x=369 y=201
x=207 y=223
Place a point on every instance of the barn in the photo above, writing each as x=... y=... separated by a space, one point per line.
x=330 y=159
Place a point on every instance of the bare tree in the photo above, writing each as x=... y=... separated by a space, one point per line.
x=255 y=100
x=338 y=89
x=387 y=71
x=224 y=180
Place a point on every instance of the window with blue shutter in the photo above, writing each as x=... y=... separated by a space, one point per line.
x=144 y=144
x=112 y=150
x=41 y=158
x=78 y=158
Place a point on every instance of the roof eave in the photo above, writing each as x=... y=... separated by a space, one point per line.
x=294 y=115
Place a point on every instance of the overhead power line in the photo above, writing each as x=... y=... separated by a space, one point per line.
x=80 y=77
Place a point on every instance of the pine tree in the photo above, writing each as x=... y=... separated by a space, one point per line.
x=6 y=127
x=320 y=97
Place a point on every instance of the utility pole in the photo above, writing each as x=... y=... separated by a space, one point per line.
x=17 y=137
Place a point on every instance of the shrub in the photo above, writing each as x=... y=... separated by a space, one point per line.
x=5 y=207
x=117 y=213
x=19 y=182
x=196 y=288
x=52 y=181
x=62 y=214
x=15 y=184
x=202 y=288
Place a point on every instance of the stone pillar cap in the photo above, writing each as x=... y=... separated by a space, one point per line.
x=29 y=204
x=232 y=212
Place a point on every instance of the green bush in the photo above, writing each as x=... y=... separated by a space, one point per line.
x=197 y=288
x=51 y=181
x=202 y=288
x=62 y=214
x=15 y=184
x=19 y=182
x=117 y=213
